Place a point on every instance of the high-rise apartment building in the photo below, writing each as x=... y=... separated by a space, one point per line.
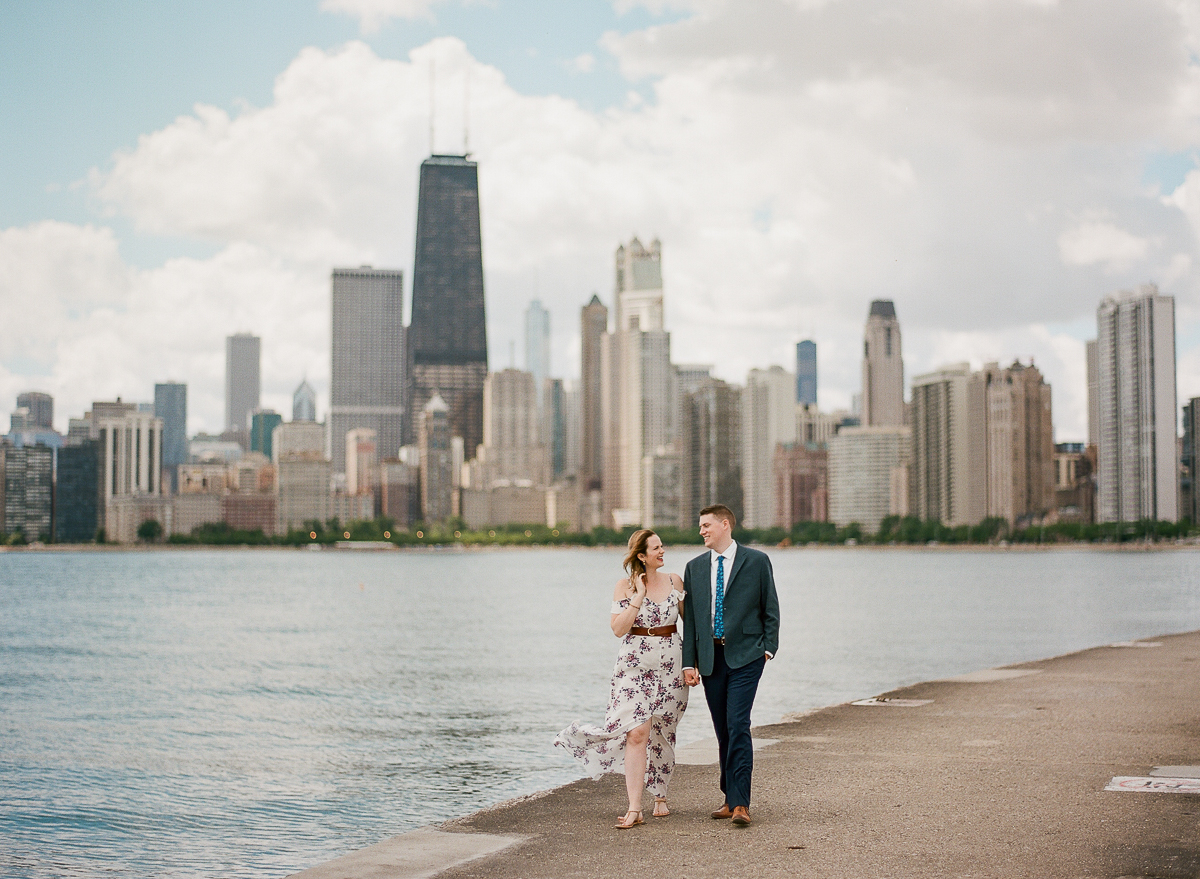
x=983 y=444
x=593 y=329
x=448 y=335
x=513 y=450
x=1136 y=395
x=1189 y=497
x=806 y=372
x=867 y=475
x=801 y=483
x=537 y=344
x=710 y=440
x=437 y=463
x=883 y=367
x=26 y=495
x=942 y=459
x=243 y=381
x=639 y=381
x=170 y=404
x=41 y=409
x=304 y=403
x=368 y=374
x=768 y=418
x=1010 y=429
x=1093 y=392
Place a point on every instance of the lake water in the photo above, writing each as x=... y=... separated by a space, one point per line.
x=249 y=713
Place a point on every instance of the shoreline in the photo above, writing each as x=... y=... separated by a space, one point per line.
x=1002 y=772
x=1179 y=544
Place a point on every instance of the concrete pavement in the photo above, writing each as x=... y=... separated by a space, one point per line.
x=1000 y=773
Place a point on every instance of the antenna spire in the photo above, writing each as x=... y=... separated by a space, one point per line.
x=466 y=110
x=432 y=103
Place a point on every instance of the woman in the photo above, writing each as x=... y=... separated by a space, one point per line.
x=648 y=695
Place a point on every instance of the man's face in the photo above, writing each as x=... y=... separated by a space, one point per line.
x=713 y=530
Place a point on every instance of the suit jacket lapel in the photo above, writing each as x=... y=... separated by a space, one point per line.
x=738 y=560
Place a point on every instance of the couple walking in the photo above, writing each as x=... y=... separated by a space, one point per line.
x=730 y=629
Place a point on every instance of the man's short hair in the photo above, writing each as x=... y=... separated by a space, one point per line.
x=721 y=512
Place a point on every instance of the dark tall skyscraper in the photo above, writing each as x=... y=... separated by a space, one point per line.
x=806 y=372
x=368 y=374
x=448 y=334
x=170 y=404
x=77 y=492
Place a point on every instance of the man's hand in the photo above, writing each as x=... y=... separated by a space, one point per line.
x=691 y=677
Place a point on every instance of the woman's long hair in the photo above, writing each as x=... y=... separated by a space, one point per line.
x=637 y=546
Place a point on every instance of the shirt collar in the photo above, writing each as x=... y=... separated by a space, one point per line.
x=727 y=554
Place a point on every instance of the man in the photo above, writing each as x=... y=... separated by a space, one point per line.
x=730 y=630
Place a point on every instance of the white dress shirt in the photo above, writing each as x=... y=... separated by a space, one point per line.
x=728 y=555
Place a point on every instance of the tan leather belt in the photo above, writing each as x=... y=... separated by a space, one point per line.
x=656 y=632
x=720 y=641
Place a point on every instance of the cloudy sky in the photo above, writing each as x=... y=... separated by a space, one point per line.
x=177 y=172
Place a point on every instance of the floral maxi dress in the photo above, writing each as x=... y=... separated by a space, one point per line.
x=647 y=684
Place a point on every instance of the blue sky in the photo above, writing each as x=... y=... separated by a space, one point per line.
x=84 y=79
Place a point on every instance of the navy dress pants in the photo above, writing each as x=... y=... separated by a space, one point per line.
x=730 y=696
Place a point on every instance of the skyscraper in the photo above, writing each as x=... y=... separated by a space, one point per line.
x=513 y=447
x=640 y=381
x=593 y=321
x=1012 y=435
x=537 y=344
x=437 y=477
x=262 y=429
x=710 y=435
x=806 y=372
x=1189 y=496
x=304 y=403
x=243 y=383
x=883 y=367
x=368 y=375
x=942 y=458
x=170 y=404
x=448 y=335
x=41 y=409
x=866 y=464
x=1135 y=349
x=768 y=418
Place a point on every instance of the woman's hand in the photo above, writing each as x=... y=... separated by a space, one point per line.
x=639 y=588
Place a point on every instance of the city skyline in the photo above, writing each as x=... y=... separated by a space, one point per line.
x=193 y=215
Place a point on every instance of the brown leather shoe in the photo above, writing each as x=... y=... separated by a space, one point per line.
x=741 y=816
x=723 y=812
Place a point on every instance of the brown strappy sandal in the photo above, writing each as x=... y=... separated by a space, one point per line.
x=625 y=823
x=660 y=801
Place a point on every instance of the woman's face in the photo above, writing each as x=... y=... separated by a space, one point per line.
x=652 y=558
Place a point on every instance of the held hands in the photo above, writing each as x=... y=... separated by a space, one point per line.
x=691 y=677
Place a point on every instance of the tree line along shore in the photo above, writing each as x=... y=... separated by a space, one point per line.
x=894 y=530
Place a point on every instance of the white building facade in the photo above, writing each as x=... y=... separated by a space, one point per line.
x=1136 y=407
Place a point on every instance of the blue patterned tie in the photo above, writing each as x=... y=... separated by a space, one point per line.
x=719 y=615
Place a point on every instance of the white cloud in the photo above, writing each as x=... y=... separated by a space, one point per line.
x=372 y=14
x=977 y=163
x=1097 y=242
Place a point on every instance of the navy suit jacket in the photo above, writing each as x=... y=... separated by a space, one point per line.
x=751 y=610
